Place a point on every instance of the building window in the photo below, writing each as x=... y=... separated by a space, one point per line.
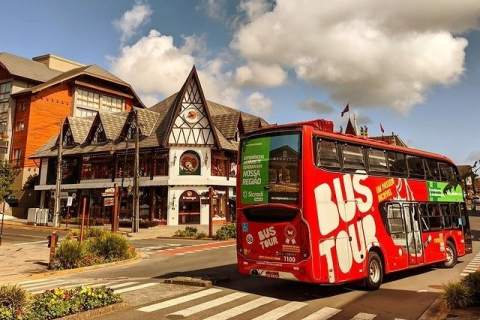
x=87 y=99
x=20 y=126
x=112 y=104
x=87 y=103
x=84 y=113
x=22 y=105
x=5 y=89
x=17 y=156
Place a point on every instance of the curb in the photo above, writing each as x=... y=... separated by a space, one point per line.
x=188 y=281
x=97 y=312
x=83 y=269
x=437 y=310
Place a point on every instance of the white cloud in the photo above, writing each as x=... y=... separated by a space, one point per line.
x=214 y=9
x=260 y=75
x=254 y=8
x=373 y=54
x=155 y=67
x=315 y=106
x=259 y=105
x=132 y=20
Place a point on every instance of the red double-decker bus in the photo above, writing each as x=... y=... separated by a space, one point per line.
x=319 y=206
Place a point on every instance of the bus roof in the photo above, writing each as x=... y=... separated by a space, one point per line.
x=325 y=128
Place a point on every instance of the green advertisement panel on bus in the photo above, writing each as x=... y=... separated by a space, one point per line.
x=436 y=192
x=269 y=170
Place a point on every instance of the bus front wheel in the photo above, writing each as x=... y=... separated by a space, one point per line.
x=452 y=256
x=375 y=271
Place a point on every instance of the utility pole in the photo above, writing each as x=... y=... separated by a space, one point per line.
x=56 y=209
x=136 y=191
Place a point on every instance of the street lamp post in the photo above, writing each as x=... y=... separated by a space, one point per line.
x=136 y=191
x=56 y=210
x=4 y=139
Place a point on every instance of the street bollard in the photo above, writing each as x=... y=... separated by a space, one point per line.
x=52 y=243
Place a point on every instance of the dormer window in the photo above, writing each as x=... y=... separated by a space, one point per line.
x=236 y=136
x=68 y=138
x=99 y=135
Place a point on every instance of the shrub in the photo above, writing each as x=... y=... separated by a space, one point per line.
x=456 y=295
x=14 y=301
x=110 y=246
x=87 y=233
x=189 y=232
x=70 y=254
x=61 y=302
x=144 y=224
x=92 y=222
x=472 y=281
x=201 y=235
x=226 y=232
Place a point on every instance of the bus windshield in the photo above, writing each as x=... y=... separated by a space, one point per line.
x=269 y=168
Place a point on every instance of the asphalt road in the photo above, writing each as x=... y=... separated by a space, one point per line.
x=25 y=236
x=404 y=295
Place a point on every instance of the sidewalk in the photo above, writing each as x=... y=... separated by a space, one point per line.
x=29 y=261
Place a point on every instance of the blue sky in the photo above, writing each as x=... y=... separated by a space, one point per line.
x=414 y=68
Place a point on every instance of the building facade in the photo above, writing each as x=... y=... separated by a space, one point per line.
x=35 y=97
x=177 y=150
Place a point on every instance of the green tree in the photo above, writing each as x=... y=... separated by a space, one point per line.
x=7 y=175
x=462 y=177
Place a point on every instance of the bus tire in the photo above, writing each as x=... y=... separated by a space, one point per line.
x=375 y=271
x=452 y=255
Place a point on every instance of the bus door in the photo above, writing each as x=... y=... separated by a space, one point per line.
x=338 y=249
x=413 y=236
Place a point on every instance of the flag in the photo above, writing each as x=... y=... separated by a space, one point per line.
x=381 y=128
x=347 y=109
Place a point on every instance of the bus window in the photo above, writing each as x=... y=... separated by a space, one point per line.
x=434 y=217
x=446 y=213
x=455 y=214
x=433 y=172
x=377 y=162
x=395 y=226
x=447 y=172
x=353 y=157
x=397 y=164
x=415 y=167
x=327 y=154
x=422 y=209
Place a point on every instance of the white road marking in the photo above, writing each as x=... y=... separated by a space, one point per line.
x=323 y=314
x=281 y=311
x=173 y=302
x=241 y=309
x=140 y=286
x=364 y=316
x=209 y=304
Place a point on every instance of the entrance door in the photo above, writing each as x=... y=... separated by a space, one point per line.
x=413 y=235
x=189 y=208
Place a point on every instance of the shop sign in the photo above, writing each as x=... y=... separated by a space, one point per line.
x=189 y=196
x=108 y=202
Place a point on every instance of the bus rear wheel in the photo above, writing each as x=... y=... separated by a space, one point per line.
x=452 y=256
x=375 y=272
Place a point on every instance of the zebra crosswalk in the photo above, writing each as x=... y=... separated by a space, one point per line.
x=41 y=285
x=219 y=304
x=179 y=249
x=473 y=266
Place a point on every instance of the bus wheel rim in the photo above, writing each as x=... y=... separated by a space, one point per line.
x=449 y=254
x=374 y=271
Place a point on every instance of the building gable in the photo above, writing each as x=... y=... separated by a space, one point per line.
x=192 y=123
